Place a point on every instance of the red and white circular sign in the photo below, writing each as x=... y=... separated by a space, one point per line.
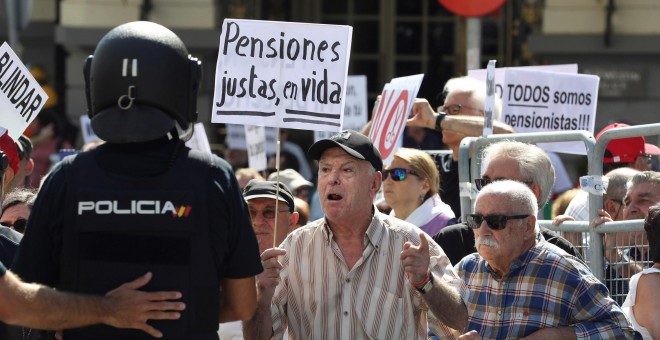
x=472 y=8
x=390 y=121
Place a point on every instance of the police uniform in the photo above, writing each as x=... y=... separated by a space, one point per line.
x=141 y=202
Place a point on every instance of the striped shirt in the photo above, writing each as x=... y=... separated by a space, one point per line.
x=319 y=297
x=545 y=287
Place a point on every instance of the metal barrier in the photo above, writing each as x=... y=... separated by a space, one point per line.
x=625 y=236
x=595 y=151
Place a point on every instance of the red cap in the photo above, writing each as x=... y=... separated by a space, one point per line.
x=623 y=150
x=8 y=146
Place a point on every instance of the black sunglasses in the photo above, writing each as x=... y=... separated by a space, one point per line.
x=495 y=222
x=18 y=225
x=482 y=182
x=398 y=174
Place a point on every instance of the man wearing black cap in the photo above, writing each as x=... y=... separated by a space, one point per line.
x=261 y=199
x=143 y=201
x=264 y=198
x=356 y=274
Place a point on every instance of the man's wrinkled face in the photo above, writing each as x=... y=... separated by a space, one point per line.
x=347 y=186
x=469 y=107
x=498 y=245
x=639 y=199
x=636 y=202
x=262 y=213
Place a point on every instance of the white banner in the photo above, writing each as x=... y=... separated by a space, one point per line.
x=255 y=138
x=481 y=74
x=355 y=107
x=535 y=101
x=235 y=138
x=21 y=96
x=281 y=74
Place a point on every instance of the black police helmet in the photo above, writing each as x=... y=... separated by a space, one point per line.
x=139 y=82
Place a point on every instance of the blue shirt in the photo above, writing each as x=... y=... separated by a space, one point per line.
x=545 y=287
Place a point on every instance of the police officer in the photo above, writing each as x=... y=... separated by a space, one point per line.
x=144 y=201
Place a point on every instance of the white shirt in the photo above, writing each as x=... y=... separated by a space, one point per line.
x=319 y=297
x=630 y=302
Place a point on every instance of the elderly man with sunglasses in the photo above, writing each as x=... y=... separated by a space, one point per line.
x=512 y=160
x=518 y=286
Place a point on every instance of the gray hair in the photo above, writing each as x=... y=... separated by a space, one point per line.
x=19 y=196
x=476 y=89
x=516 y=194
x=617 y=181
x=644 y=177
x=534 y=164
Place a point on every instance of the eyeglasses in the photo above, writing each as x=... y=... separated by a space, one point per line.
x=495 y=222
x=454 y=109
x=398 y=174
x=482 y=182
x=18 y=225
x=268 y=214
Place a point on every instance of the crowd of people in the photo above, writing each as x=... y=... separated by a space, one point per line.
x=358 y=249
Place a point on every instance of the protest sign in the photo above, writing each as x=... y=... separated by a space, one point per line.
x=255 y=138
x=390 y=119
x=199 y=140
x=490 y=99
x=499 y=73
x=281 y=74
x=355 y=107
x=87 y=131
x=535 y=101
x=21 y=96
x=235 y=138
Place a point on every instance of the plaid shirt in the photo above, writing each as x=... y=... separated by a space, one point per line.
x=545 y=287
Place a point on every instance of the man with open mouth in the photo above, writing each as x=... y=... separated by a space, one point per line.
x=356 y=273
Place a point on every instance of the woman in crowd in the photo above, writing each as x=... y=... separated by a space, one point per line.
x=410 y=187
x=642 y=305
x=16 y=208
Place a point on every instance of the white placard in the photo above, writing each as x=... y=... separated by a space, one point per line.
x=87 y=131
x=235 y=138
x=199 y=140
x=490 y=99
x=535 y=101
x=596 y=185
x=21 y=96
x=481 y=74
x=389 y=121
x=355 y=107
x=281 y=74
x=255 y=138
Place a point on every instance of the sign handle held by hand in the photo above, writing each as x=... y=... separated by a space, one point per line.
x=277 y=193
